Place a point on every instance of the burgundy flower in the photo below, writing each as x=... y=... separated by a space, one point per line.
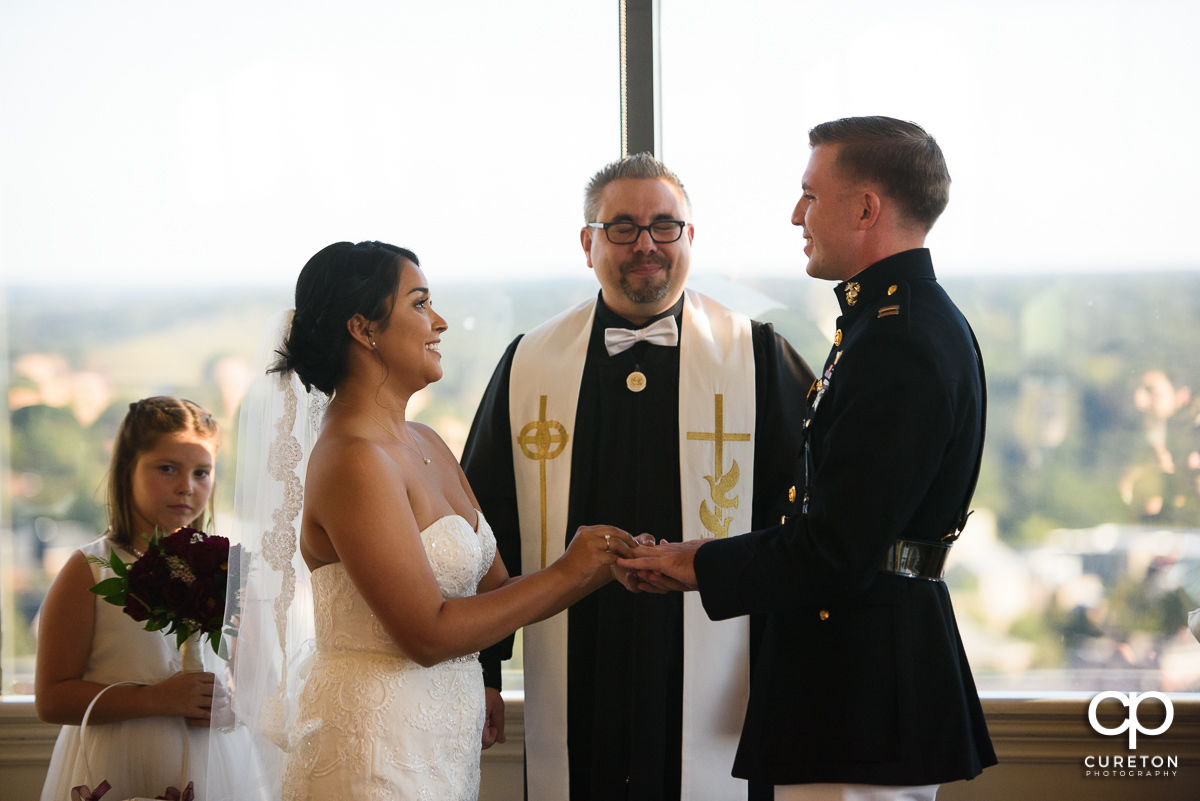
x=202 y=601
x=208 y=554
x=135 y=609
x=177 y=544
x=180 y=583
x=175 y=595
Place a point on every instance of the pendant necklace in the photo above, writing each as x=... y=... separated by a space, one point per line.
x=130 y=547
x=414 y=445
x=636 y=381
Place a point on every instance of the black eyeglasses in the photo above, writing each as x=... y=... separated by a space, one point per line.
x=626 y=233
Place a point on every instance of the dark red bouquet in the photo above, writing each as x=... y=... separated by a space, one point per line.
x=178 y=586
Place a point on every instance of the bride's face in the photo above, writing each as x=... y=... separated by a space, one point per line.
x=409 y=342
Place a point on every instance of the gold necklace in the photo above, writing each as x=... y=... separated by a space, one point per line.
x=416 y=446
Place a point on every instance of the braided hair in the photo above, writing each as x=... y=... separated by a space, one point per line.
x=145 y=423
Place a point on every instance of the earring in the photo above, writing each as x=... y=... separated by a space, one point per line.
x=372 y=344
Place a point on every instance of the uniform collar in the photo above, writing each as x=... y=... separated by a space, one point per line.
x=880 y=277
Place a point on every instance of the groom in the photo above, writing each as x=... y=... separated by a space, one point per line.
x=860 y=688
x=612 y=412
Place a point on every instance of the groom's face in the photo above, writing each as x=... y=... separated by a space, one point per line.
x=643 y=278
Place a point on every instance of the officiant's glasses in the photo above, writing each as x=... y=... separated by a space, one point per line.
x=624 y=232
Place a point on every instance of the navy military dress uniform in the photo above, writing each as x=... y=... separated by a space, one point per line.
x=861 y=675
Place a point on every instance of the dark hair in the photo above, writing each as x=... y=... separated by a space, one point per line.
x=339 y=282
x=639 y=165
x=900 y=156
x=147 y=421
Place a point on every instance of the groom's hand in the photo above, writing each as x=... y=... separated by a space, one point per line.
x=666 y=566
x=627 y=578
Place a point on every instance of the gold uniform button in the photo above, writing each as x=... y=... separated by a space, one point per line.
x=892 y=289
x=791 y=494
x=823 y=614
x=783 y=520
x=837 y=338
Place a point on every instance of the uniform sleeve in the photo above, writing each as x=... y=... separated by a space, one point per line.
x=488 y=464
x=881 y=445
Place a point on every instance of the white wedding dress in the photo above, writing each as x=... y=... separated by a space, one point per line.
x=380 y=726
x=143 y=756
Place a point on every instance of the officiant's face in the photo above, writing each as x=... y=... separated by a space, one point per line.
x=643 y=278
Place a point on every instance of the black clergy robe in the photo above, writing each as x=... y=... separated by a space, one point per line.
x=625 y=650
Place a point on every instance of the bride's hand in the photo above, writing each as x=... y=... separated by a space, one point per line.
x=596 y=547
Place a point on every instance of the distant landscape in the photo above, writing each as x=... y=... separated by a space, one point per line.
x=1087 y=535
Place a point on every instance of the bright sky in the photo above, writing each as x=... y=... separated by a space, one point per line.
x=149 y=142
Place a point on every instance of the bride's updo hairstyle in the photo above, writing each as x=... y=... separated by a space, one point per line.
x=339 y=282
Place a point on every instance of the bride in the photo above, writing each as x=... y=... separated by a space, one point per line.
x=406 y=584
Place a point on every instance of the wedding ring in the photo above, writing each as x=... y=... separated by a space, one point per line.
x=607 y=541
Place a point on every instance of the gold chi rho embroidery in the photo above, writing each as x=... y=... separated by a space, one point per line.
x=541 y=440
x=720 y=483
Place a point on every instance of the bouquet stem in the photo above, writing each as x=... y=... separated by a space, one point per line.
x=190 y=652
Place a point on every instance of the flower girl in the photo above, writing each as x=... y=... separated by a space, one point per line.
x=140 y=735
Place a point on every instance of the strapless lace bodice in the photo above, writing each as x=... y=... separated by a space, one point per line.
x=380 y=725
x=459 y=556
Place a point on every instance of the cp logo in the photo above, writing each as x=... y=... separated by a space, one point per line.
x=1131 y=723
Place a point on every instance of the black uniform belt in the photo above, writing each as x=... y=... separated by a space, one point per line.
x=916 y=559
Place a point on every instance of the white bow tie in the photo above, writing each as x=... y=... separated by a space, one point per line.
x=660 y=332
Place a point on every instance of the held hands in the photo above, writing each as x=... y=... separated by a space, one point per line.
x=663 y=567
x=594 y=548
x=627 y=577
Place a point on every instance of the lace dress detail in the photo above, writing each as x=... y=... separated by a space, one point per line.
x=380 y=726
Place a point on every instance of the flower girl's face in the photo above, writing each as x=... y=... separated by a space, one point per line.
x=172 y=482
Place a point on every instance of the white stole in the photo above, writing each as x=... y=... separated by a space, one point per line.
x=716 y=417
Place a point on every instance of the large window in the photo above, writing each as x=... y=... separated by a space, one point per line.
x=1067 y=127
x=167 y=170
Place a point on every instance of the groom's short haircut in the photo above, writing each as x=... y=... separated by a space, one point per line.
x=900 y=156
x=639 y=165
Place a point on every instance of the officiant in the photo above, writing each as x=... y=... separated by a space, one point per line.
x=654 y=409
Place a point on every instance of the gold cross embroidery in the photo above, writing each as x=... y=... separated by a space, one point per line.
x=720 y=483
x=548 y=438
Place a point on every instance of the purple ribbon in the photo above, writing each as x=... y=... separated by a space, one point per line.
x=82 y=793
x=172 y=794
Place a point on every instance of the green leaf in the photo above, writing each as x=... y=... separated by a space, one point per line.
x=109 y=587
x=117 y=565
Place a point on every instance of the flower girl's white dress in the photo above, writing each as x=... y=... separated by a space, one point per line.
x=140 y=757
x=380 y=726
